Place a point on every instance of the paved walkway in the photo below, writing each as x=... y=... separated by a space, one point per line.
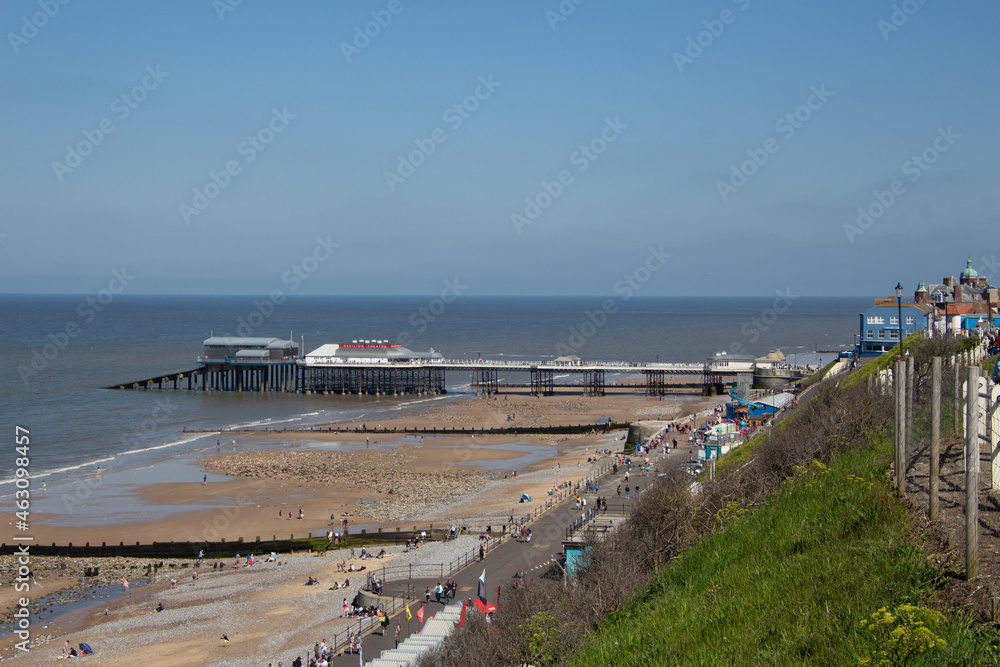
x=501 y=563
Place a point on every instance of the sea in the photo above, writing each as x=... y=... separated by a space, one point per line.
x=92 y=449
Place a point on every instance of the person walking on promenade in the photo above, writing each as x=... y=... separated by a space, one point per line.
x=619 y=490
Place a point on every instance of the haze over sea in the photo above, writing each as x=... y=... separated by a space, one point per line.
x=76 y=425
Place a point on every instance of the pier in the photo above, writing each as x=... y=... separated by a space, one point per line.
x=419 y=378
x=381 y=368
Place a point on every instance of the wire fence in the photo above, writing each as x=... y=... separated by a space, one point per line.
x=945 y=400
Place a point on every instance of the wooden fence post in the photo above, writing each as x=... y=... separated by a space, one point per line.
x=908 y=431
x=899 y=384
x=935 y=473
x=972 y=474
x=993 y=420
x=957 y=372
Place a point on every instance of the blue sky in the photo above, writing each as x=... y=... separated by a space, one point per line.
x=670 y=124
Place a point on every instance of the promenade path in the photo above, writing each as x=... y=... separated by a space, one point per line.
x=501 y=563
x=511 y=556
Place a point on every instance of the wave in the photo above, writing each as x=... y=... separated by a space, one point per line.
x=56 y=471
x=172 y=443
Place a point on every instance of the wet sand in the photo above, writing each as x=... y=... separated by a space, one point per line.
x=248 y=507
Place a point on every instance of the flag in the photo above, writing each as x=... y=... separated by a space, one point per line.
x=461 y=619
x=408 y=614
x=420 y=613
x=482 y=586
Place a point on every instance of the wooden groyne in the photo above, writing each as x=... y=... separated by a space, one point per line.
x=431 y=430
x=224 y=548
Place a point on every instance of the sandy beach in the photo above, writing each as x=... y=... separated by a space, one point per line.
x=399 y=481
x=426 y=475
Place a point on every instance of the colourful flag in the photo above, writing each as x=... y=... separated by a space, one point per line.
x=482 y=586
x=408 y=614
x=420 y=613
x=461 y=619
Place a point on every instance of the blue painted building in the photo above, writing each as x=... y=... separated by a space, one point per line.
x=880 y=327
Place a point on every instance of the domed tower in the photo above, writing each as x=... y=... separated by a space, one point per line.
x=969 y=276
x=920 y=296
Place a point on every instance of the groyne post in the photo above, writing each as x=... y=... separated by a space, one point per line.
x=935 y=473
x=972 y=474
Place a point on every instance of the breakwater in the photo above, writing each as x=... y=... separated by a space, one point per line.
x=604 y=427
x=228 y=549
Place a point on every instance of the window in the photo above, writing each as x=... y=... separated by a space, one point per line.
x=893 y=334
x=894 y=320
x=876 y=319
x=909 y=319
x=871 y=334
x=881 y=334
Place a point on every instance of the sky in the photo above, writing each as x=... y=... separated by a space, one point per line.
x=387 y=147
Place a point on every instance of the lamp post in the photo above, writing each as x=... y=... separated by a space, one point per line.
x=899 y=314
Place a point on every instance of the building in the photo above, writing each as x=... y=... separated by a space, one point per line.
x=951 y=306
x=367 y=352
x=880 y=326
x=960 y=305
x=234 y=349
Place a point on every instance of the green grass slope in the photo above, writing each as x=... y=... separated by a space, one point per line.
x=796 y=582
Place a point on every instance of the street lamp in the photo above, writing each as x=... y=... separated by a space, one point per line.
x=899 y=314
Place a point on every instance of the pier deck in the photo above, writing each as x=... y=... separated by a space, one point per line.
x=425 y=377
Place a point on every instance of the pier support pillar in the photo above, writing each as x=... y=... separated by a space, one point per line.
x=541 y=382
